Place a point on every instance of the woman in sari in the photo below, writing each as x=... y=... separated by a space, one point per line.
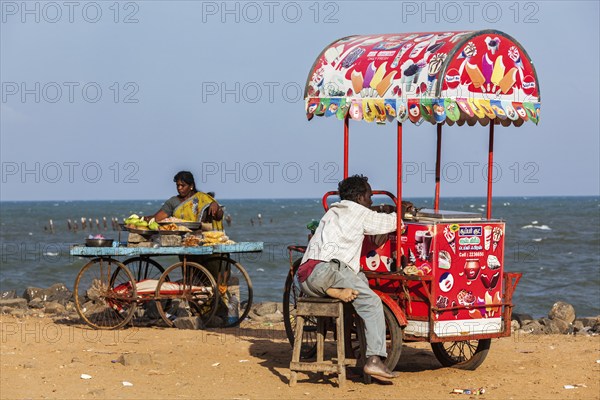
x=195 y=206
x=190 y=204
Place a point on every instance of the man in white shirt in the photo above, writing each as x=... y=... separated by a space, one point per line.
x=331 y=264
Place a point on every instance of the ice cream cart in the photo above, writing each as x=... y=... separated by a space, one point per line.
x=444 y=281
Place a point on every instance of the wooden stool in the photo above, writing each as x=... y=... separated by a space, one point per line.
x=322 y=308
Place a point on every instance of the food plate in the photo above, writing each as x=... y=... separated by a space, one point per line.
x=140 y=231
x=171 y=232
x=190 y=225
x=147 y=232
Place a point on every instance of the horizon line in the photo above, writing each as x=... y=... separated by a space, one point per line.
x=307 y=198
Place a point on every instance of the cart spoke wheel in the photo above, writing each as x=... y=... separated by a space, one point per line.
x=186 y=290
x=290 y=296
x=393 y=338
x=468 y=354
x=144 y=268
x=105 y=294
x=235 y=289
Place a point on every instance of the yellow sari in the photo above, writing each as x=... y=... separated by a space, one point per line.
x=193 y=209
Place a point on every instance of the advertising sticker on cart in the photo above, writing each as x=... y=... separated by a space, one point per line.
x=467 y=261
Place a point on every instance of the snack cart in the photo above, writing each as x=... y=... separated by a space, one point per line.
x=204 y=282
x=444 y=281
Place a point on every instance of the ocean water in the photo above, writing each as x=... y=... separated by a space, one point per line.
x=553 y=241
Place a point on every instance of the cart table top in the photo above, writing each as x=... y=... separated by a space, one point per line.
x=241 y=247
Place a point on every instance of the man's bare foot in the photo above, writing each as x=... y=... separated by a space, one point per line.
x=346 y=294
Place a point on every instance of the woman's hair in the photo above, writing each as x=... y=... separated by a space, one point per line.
x=185 y=177
x=352 y=187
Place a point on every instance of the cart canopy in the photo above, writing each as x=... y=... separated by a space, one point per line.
x=452 y=77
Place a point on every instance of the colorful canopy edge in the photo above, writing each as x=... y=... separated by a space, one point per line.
x=453 y=77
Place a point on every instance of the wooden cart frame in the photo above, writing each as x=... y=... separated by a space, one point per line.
x=206 y=281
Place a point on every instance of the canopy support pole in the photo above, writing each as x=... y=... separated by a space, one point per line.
x=346 y=144
x=399 y=200
x=438 y=159
x=490 y=171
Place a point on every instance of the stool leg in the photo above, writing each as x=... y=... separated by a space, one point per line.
x=348 y=321
x=321 y=333
x=341 y=348
x=297 y=348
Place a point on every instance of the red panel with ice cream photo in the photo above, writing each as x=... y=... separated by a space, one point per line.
x=468 y=269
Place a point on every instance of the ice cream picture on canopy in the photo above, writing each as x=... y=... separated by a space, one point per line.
x=452 y=77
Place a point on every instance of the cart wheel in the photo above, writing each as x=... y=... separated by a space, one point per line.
x=105 y=294
x=290 y=295
x=144 y=268
x=235 y=289
x=393 y=338
x=468 y=354
x=185 y=290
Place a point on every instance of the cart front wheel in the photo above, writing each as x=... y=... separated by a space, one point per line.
x=105 y=294
x=468 y=354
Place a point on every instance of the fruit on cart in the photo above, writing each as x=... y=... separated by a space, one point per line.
x=141 y=223
x=132 y=219
x=136 y=222
x=153 y=225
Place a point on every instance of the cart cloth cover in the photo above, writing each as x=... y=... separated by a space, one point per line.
x=452 y=77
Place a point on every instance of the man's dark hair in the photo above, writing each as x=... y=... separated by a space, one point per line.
x=352 y=187
x=185 y=177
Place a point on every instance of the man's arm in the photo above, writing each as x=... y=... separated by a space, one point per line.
x=384 y=208
x=377 y=223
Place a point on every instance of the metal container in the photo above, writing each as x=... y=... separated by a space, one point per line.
x=99 y=242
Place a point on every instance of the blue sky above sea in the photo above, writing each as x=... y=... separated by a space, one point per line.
x=138 y=103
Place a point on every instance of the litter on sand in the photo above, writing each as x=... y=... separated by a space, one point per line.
x=473 y=392
x=579 y=385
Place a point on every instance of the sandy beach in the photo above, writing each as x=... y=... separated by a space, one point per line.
x=42 y=358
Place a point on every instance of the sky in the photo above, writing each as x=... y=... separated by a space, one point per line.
x=108 y=100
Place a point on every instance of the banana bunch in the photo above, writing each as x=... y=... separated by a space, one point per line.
x=136 y=222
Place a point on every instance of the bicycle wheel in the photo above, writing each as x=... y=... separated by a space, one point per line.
x=235 y=289
x=186 y=289
x=291 y=294
x=105 y=294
